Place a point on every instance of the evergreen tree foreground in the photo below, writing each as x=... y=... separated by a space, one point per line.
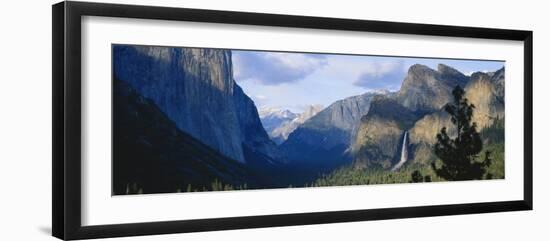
x=458 y=155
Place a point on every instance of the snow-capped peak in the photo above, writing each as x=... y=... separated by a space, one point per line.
x=280 y=123
x=276 y=112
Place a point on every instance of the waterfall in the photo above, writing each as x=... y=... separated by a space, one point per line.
x=403 y=153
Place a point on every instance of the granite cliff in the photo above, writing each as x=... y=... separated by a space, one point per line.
x=418 y=108
x=327 y=136
x=195 y=88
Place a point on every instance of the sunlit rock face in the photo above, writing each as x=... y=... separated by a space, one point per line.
x=484 y=90
x=426 y=90
x=419 y=107
x=379 y=138
x=195 y=88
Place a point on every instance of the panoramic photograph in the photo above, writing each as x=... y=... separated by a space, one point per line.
x=188 y=119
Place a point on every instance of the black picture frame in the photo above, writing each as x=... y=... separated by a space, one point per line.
x=66 y=75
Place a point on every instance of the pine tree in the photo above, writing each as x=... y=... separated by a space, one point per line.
x=427 y=178
x=416 y=176
x=458 y=155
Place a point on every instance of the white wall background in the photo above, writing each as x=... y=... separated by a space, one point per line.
x=25 y=120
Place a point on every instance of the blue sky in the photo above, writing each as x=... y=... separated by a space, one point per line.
x=295 y=80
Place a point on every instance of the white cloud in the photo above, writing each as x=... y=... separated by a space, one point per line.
x=261 y=97
x=381 y=75
x=271 y=68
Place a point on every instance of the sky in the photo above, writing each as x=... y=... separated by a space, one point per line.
x=294 y=81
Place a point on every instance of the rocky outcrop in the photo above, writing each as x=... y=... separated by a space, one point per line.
x=418 y=108
x=485 y=91
x=151 y=155
x=253 y=135
x=194 y=87
x=326 y=137
x=379 y=137
x=422 y=135
x=426 y=90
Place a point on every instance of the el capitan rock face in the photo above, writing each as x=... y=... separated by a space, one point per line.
x=196 y=90
x=153 y=156
x=254 y=137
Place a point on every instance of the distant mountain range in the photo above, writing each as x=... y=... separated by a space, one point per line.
x=325 y=137
x=181 y=119
x=280 y=123
x=272 y=118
